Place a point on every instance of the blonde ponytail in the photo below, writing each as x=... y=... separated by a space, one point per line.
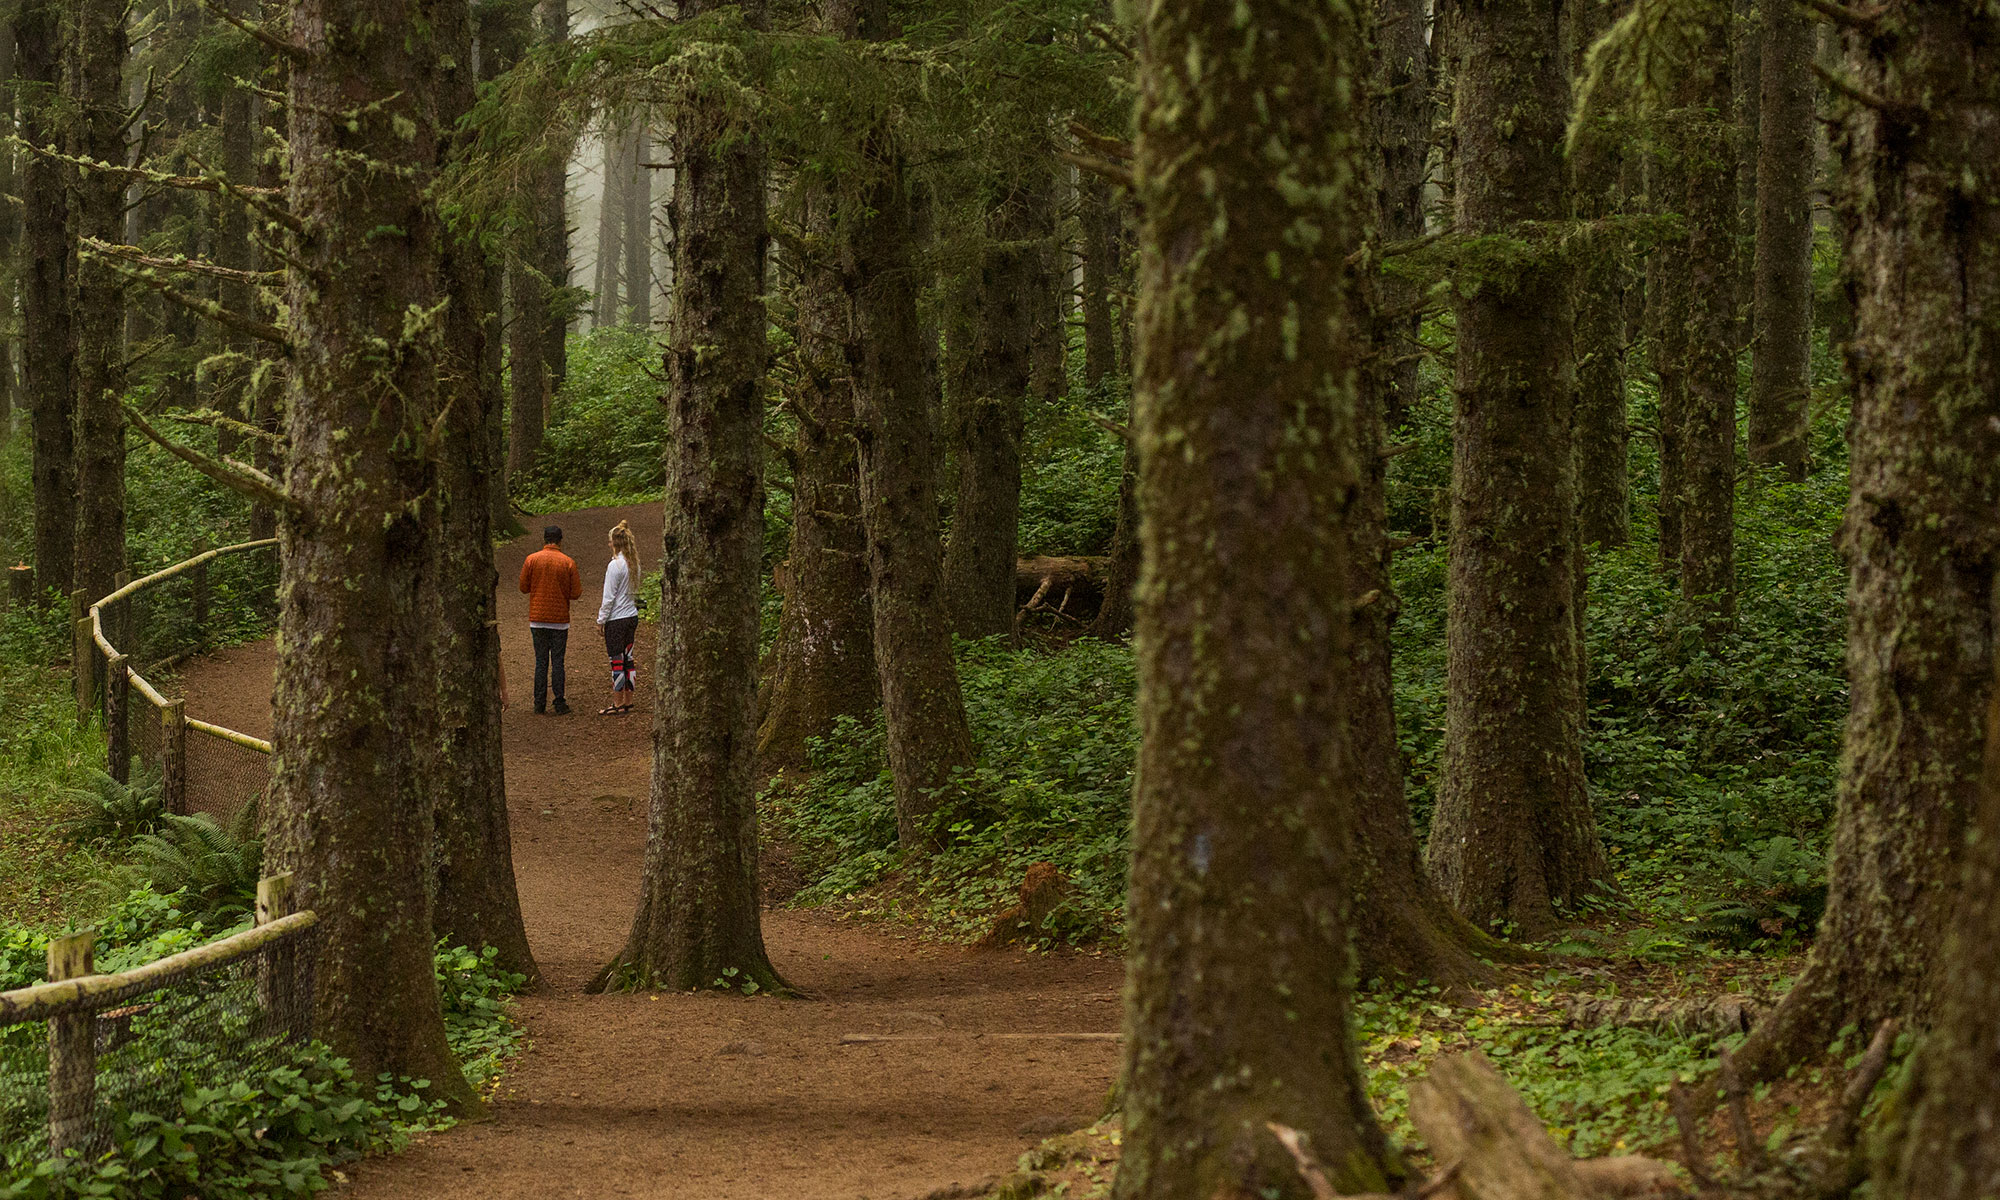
x=626 y=544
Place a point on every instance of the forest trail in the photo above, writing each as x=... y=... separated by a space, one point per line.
x=711 y=1095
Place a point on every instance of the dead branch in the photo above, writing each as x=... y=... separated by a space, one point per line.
x=1122 y=432
x=228 y=472
x=1860 y=95
x=291 y=51
x=216 y=420
x=248 y=326
x=1122 y=176
x=183 y=264
x=1864 y=19
x=1840 y=1133
x=1116 y=149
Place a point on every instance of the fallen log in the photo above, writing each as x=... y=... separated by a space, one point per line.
x=1071 y=587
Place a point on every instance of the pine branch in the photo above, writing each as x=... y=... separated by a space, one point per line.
x=1864 y=19
x=1122 y=176
x=216 y=420
x=291 y=51
x=1862 y=96
x=1110 y=147
x=189 y=183
x=182 y=264
x=231 y=474
x=248 y=326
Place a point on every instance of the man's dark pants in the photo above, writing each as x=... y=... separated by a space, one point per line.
x=550 y=646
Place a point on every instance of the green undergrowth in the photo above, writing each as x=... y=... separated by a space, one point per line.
x=277 y=1130
x=1056 y=738
x=1713 y=767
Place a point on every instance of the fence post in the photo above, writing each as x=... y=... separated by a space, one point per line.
x=124 y=626
x=82 y=655
x=117 y=707
x=278 y=981
x=72 y=1053
x=173 y=757
x=198 y=588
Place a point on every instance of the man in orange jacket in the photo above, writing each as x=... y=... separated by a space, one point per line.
x=549 y=578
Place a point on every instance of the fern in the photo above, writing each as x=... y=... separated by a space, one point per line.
x=214 y=868
x=108 y=811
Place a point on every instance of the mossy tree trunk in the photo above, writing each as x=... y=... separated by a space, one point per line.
x=1255 y=340
x=1781 y=353
x=610 y=226
x=929 y=738
x=1121 y=565
x=1710 y=258
x=1098 y=219
x=48 y=258
x=476 y=902
x=996 y=373
x=1603 y=426
x=1923 y=266
x=1669 y=312
x=1403 y=115
x=97 y=117
x=638 y=238
x=356 y=709
x=699 y=922
x=823 y=665
x=1514 y=840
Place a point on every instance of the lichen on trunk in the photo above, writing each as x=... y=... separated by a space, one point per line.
x=1514 y=841
x=1255 y=335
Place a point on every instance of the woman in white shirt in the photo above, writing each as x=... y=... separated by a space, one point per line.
x=618 y=614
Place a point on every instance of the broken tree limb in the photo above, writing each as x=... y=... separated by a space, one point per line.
x=1469 y=1115
x=228 y=472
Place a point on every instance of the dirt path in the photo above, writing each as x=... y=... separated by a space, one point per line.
x=710 y=1095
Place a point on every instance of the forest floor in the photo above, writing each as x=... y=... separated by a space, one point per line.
x=711 y=1094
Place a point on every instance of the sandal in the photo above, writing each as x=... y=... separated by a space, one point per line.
x=616 y=710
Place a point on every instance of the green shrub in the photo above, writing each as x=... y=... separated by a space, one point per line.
x=602 y=445
x=106 y=811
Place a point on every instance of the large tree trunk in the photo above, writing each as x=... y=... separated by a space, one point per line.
x=1669 y=309
x=929 y=738
x=1403 y=117
x=1743 y=34
x=639 y=226
x=1239 y=967
x=476 y=902
x=996 y=373
x=698 y=921
x=356 y=710
x=823 y=665
x=97 y=133
x=268 y=396
x=1710 y=259
x=233 y=248
x=1781 y=353
x=610 y=224
x=536 y=332
x=1924 y=269
x=48 y=258
x=1514 y=839
x=1603 y=429
x=10 y=225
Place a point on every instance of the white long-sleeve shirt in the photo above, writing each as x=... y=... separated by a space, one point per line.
x=618 y=602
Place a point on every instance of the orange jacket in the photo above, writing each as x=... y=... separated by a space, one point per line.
x=550 y=579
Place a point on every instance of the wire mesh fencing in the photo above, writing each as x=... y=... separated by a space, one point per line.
x=81 y=1058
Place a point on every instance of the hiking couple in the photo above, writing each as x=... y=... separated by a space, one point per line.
x=550 y=579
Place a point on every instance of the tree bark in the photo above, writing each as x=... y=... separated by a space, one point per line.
x=1745 y=33
x=1669 y=311
x=1924 y=446
x=1514 y=840
x=10 y=224
x=1603 y=427
x=97 y=133
x=996 y=375
x=1121 y=566
x=610 y=224
x=1403 y=117
x=355 y=707
x=823 y=665
x=48 y=259
x=1781 y=353
x=1049 y=285
x=1253 y=351
x=638 y=238
x=929 y=738
x=699 y=923
x=1710 y=257
x=536 y=331
x=1098 y=215
x=476 y=903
